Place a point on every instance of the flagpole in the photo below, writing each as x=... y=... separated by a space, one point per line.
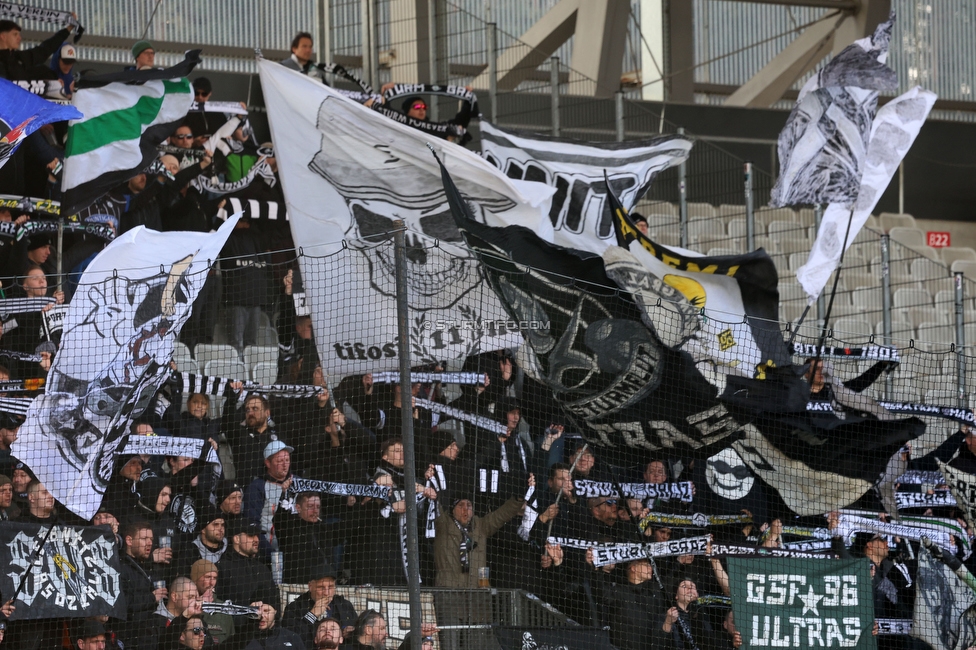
x=833 y=290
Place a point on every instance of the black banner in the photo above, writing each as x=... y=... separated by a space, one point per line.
x=76 y=574
x=551 y=638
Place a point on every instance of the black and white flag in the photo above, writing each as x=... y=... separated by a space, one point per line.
x=678 y=491
x=76 y=574
x=962 y=485
x=945 y=603
x=348 y=173
x=823 y=146
x=119 y=335
x=580 y=212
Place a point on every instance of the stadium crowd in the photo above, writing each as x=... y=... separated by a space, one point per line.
x=193 y=535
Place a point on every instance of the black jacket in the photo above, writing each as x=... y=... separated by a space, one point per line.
x=244 y=580
x=634 y=612
x=277 y=638
x=298 y=616
x=17 y=64
x=305 y=544
x=137 y=586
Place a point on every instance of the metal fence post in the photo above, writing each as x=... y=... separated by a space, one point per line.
x=957 y=278
x=683 y=197
x=554 y=88
x=324 y=29
x=886 y=301
x=492 y=36
x=434 y=108
x=619 y=105
x=821 y=300
x=368 y=31
x=750 y=214
x=409 y=451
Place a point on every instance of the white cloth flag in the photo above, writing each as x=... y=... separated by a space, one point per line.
x=119 y=335
x=580 y=215
x=347 y=174
x=892 y=133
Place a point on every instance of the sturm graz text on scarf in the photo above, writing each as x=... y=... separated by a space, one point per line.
x=678 y=491
x=299 y=485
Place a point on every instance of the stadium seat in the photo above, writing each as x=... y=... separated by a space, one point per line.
x=769 y=215
x=783 y=243
x=911 y=298
x=911 y=237
x=184 y=360
x=700 y=211
x=658 y=207
x=731 y=211
x=255 y=354
x=661 y=220
x=265 y=372
x=791 y=228
x=852 y=330
x=204 y=353
x=935 y=337
x=806 y=217
x=926 y=269
x=889 y=220
x=231 y=369
x=967 y=267
x=737 y=228
x=951 y=254
x=941 y=397
x=868 y=298
x=706 y=230
x=721 y=250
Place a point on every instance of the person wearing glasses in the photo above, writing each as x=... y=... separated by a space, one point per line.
x=182 y=137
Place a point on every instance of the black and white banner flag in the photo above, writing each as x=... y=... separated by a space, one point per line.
x=731 y=550
x=256 y=210
x=914 y=531
x=945 y=604
x=579 y=215
x=867 y=352
x=299 y=485
x=676 y=491
x=119 y=335
x=39 y=14
x=697 y=520
x=77 y=573
x=347 y=174
x=23 y=305
x=918 y=477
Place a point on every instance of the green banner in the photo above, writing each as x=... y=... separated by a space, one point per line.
x=803 y=603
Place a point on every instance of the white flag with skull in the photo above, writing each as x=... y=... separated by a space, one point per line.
x=120 y=331
x=348 y=172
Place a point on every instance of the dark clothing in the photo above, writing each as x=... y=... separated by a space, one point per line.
x=701 y=634
x=137 y=585
x=244 y=580
x=277 y=638
x=965 y=460
x=248 y=447
x=304 y=544
x=19 y=64
x=634 y=612
x=298 y=616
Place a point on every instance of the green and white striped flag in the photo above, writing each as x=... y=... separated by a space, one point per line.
x=126 y=115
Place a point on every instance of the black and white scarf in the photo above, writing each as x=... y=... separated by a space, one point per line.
x=213 y=186
x=437 y=129
x=230 y=609
x=387 y=511
x=456 y=92
x=24 y=305
x=874 y=352
x=963 y=415
x=20 y=356
x=42 y=227
x=29 y=204
x=918 y=477
x=217 y=386
x=480 y=421
x=697 y=520
x=939 y=498
x=15 y=405
x=299 y=485
x=606 y=554
x=684 y=630
x=393 y=377
x=21 y=385
x=732 y=550
x=678 y=491
x=253 y=209
x=170 y=446
x=466 y=546
x=339 y=71
x=50 y=16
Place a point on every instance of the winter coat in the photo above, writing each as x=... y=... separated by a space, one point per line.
x=447 y=544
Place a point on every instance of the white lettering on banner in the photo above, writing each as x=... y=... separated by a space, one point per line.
x=823 y=632
x=784 y=589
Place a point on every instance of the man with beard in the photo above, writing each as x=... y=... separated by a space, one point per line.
x=230 y=499
x=204 y=574
x=243 y=578
x=370 y=632
x=328 y=634
x=210 y=544
x=249 y=439
x=265 y=495
x=141 y=597
x=319 y=603
x=270 y=635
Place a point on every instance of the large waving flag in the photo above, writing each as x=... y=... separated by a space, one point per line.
x=631 y=392
x=348 y=173
x=824 y=142
x=22 y=113
x=580 y=212
x=722 y=310
x=119 y=335
x=892 y=134
x=126 y=115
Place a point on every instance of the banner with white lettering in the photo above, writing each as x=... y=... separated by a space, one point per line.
x=677 y=491
x=803 y=603
x=76 y=574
